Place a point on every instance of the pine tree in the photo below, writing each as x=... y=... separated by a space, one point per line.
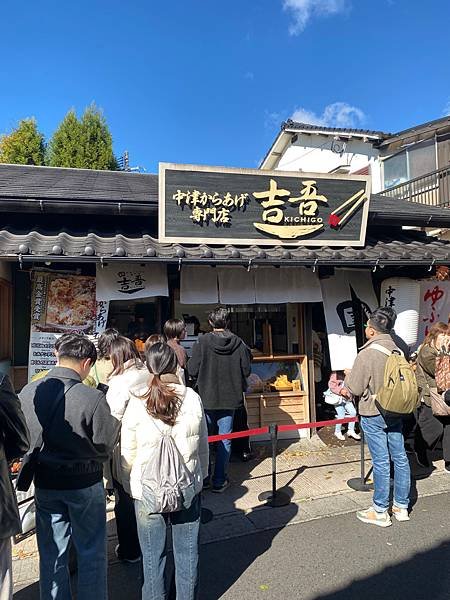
x=64 y=147
x=96 y=149
x=25 y=145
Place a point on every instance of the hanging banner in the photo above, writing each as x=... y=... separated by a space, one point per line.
x=434 y=305
x=286 y=284
x=101 y=318
x=341 y=293
x=403 y=295
x=198 y=285
x=129 y=281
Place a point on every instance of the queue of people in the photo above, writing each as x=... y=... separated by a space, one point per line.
x=119 y=419
x=97 y=420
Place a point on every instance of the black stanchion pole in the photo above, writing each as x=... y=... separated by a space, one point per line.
x=274 y=497
x=360 y=484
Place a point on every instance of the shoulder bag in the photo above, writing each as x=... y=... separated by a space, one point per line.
x=30 y=460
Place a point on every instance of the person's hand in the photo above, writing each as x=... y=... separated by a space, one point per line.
x=14 y=466
x=345 y=392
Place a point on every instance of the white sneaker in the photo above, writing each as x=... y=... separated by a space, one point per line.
x=339 y=436
x=372 y=517
x=401 y=514
x=353 y=435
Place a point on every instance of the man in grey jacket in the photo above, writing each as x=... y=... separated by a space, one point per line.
x=79 y=435
x=384 y=436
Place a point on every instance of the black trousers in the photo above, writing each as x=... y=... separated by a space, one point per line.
x=434 y=429
x=126 y=524
x=240 y=423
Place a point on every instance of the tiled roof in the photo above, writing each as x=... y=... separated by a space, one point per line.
x=289 y=124
x=24 y=181
x=386 y=247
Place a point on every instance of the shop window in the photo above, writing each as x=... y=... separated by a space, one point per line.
x=395 y=170
x=5 y=319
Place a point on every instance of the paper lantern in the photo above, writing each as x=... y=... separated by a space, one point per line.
x=403 y=295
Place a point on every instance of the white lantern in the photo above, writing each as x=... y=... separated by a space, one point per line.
x=403 y=295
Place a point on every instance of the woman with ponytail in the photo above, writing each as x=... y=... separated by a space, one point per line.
x=165 y=405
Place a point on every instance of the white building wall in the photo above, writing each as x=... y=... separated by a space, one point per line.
x=313 y=153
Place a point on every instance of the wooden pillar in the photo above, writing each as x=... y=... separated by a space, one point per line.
x=308 y=348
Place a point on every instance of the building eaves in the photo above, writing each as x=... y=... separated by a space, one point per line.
x=394 y=248
x=423 y=128
x=290 y=125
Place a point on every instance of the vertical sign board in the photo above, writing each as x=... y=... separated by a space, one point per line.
x=247 y=206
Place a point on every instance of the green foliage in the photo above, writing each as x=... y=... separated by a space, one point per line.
x=25 y=145
x=64 y=147
x=96 y=149
x=84 y=143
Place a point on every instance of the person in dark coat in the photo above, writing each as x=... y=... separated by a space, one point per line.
x=220 y=363
x=431 y=427
x=14 y=443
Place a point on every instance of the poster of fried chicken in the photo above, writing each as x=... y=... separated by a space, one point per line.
x=63 y=303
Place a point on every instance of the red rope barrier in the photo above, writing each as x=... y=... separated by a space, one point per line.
x=262 y=430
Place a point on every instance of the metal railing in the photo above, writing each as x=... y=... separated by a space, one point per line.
x=432 y=189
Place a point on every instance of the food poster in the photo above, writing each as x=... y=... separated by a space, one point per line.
x=61 y=303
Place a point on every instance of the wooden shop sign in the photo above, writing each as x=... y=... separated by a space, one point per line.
x=217 y=205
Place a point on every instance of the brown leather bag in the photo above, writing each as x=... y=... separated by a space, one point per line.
x=438 y=405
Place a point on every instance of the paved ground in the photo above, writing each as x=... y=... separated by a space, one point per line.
x=334 y=558
x=313 y=475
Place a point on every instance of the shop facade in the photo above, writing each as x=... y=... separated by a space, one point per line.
x=299 y=259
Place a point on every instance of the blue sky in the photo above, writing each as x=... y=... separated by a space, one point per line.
x=209 y=82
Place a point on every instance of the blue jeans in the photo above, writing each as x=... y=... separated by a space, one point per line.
x=152 y=528
x=220 y=422
x=80 y=515
x=346 y=408
x=385 y=442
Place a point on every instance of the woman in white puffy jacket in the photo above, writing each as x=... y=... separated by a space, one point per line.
x=128 y=372
x=165 y=404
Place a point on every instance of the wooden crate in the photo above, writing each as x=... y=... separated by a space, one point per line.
x=283 y=408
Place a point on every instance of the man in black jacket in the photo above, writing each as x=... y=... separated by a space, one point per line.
x=79 y=435
x=14 y=442
x=220 y=363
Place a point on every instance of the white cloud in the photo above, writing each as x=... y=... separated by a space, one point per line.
x=274 y=119
x=304 y=10
x=338 y=114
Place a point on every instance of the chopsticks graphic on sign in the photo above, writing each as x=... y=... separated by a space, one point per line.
x=352 y=204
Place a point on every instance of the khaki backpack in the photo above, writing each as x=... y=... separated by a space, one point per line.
x=399 y=395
